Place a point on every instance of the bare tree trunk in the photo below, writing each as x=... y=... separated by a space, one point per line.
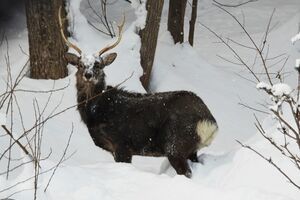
x=192 y=22
x=149 y=38
x=176 y=19
x=46 y=48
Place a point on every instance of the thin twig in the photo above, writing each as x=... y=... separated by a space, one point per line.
x=32 y=177
x=62 y=111
x=271 y=162
x=232 y=50
x=252 y=41
x=234 y=5
x=61 y=159
x=251 y=108
x=16 y=141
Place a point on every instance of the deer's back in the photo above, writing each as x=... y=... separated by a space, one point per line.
x=122 y=107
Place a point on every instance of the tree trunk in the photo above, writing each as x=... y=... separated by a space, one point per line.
x=46 y=47
x=192 y=22
x=176 y=19
x=149 y=38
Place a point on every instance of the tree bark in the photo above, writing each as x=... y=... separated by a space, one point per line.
x=46 y=48
x=176 y=19
x=193 y=21
x=149 y=38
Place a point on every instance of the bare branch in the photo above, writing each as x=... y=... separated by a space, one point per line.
x=239 y=44
x=235 y=5
x=232 y=50
x=252 y=41
x=30 y=178
x=102 y=18
x=59 y=113
x=271 y=162
x=61 y=159
x=252 y=108
x=229 y=61
x=16 y=141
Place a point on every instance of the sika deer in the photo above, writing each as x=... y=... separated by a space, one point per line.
x=172 y=124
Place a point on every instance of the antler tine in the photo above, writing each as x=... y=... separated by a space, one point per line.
x=120 y=28
x=68 y=43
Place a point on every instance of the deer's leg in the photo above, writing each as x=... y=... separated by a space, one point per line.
x=193 y=157
x=122 y=154
x=180 y=165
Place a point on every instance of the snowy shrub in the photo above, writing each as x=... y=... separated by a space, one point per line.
x=283 y=102
x=25 y=139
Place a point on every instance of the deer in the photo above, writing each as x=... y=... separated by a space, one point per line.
x=173 y=124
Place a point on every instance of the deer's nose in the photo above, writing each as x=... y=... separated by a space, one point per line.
x=88 y=75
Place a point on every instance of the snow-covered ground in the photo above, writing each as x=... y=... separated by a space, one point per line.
x=228 y=171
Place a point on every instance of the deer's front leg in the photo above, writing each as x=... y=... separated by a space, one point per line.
x=180 y=165
x=193 y=157
x=122 y=154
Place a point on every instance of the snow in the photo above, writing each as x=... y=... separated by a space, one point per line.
x=2 y=119
x=263 y=86
x=278 y=90
x=88 y=60
x=140 y=12
x=228 y=170
x=281 y=89
x=295 y=38
x=297 y=63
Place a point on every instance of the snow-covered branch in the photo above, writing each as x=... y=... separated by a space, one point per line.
x=283 y=100
x=295 y=38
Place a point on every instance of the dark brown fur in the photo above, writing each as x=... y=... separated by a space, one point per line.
x=126 y=123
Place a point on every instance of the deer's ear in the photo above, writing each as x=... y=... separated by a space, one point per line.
x=72 y=59
x=109 y=58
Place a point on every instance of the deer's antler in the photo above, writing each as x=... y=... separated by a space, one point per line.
x=68 y=43
x=120 y=28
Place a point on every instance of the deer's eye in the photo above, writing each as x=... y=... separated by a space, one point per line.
x=80 y=66
x=97 y=66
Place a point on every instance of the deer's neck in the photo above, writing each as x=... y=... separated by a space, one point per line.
x=87 y=93
x=84 y=91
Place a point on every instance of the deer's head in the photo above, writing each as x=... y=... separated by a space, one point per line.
x=90 y=67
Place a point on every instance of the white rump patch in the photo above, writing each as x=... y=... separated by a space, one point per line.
x=206 y=131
